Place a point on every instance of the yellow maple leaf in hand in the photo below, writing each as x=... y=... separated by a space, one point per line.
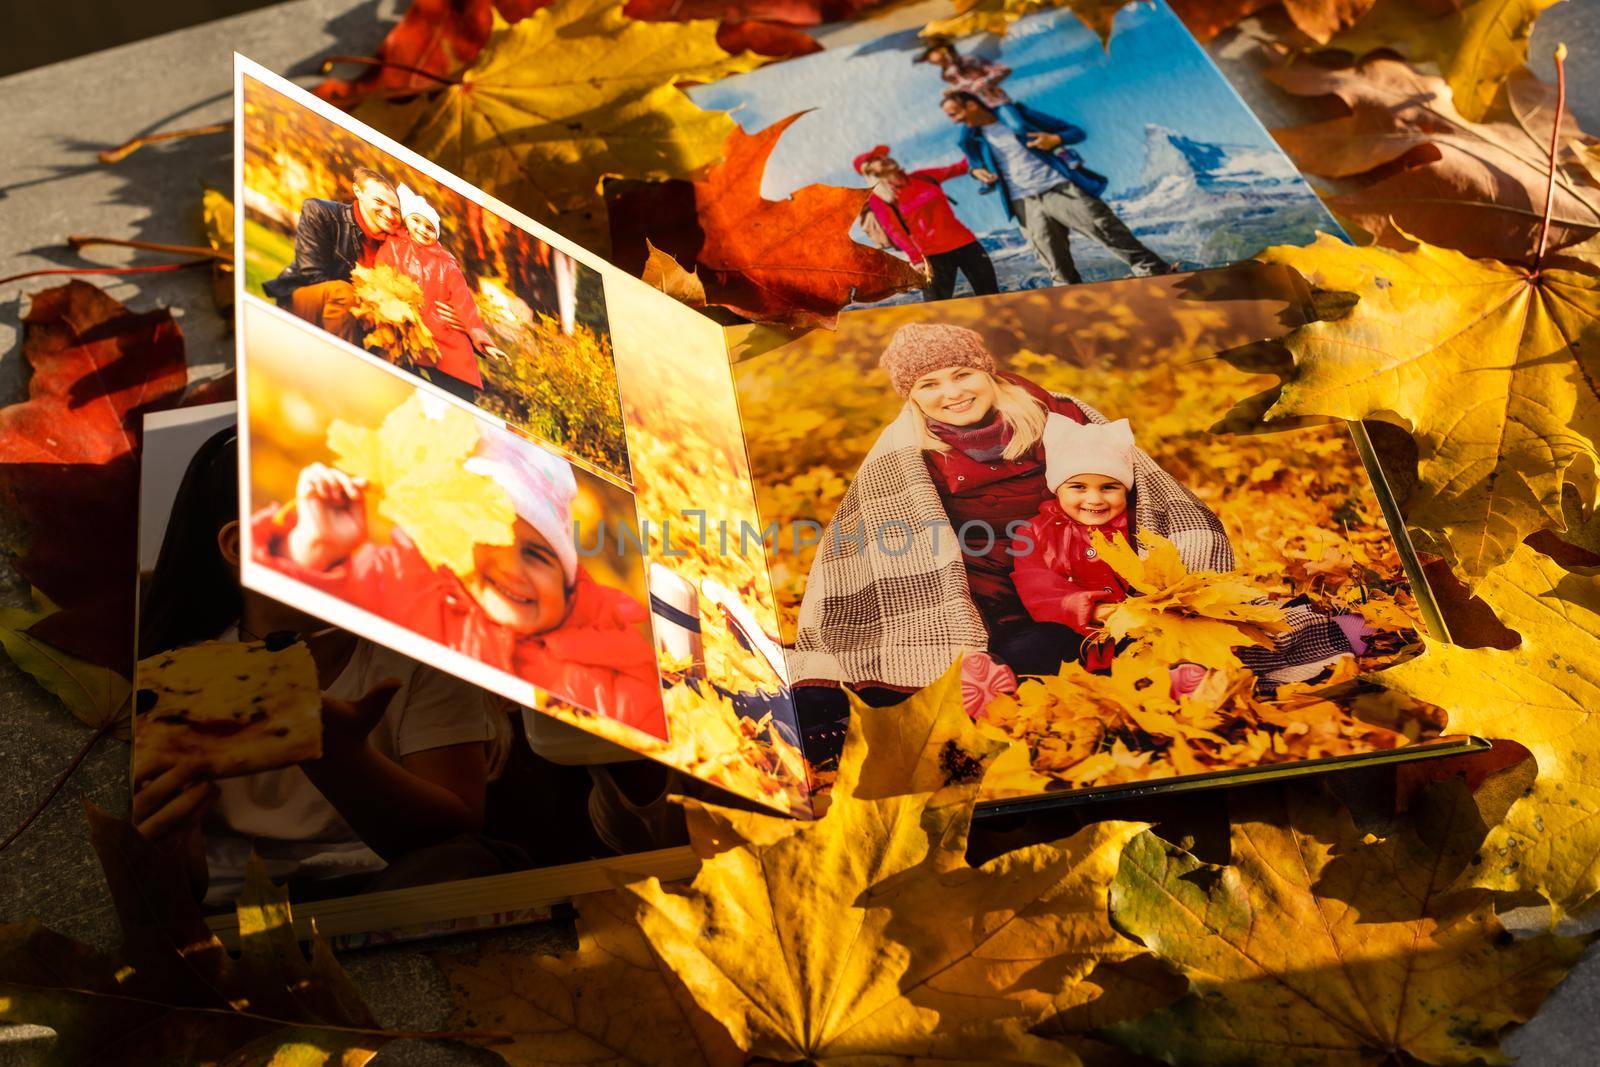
x=1491 y=368
x=1544 y=694
x=864 y=935
x=1328 y=946
x=572 y=94
x=1198 y=617
x=414 y=461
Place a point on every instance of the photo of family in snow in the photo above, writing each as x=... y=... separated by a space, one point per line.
x=1034 y=159
x=1057 y=513
x=377 y=253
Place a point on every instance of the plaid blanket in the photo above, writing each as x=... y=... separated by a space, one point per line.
x=886 y=602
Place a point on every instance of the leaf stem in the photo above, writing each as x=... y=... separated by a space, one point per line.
x=61 y=780
x=154 y=268
x=369 y=61
x=123 y=151
x=79 y=243
x=1555 y=141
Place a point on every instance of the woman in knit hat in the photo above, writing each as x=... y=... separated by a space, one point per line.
x=915 y=568
x=911 y=212
x=528 y=608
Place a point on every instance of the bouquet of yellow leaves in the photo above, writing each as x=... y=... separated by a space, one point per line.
x=1198 y=617
x=389 y=305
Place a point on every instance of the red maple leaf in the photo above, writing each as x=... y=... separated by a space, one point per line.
x=435 y=39
x=69 y=459
x=790 y=262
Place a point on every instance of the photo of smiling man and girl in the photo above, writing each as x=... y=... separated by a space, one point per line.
x=344 y=236
x=1038 y=158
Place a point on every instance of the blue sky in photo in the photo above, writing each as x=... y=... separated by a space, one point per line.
x=872 y=93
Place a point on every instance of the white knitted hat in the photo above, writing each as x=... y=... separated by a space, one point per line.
x=1073 y=448
x=541 y=487
x=413 y=204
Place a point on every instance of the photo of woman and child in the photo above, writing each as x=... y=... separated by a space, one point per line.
x=970 y=528
x=346 y=237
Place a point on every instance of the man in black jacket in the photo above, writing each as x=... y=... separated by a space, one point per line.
x=331 y=239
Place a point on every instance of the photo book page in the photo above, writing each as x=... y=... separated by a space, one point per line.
x=500 y=547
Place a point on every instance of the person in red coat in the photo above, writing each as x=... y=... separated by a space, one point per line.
x=528 y=608
x=1057 y=572
x=448 y=309
x=911 y=212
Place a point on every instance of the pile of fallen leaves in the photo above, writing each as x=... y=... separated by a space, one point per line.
x=1466 y=317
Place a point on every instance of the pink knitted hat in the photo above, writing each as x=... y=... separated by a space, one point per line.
x=918 y=348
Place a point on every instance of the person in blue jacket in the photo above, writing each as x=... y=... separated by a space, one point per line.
x=1046 y=187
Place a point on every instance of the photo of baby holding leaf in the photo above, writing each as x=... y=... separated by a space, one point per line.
x=444 y=534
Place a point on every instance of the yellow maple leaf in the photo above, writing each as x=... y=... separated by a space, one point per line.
x=560 y=100
x=1491 y=367
x=865 y=935
x=1329 y=946
x=1198 y=617
x=1544 y=694
x=996 y=16
x=414 y=462
x=1477 y=44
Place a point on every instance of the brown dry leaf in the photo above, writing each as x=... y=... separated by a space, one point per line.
x=791 y=262
x=1544 y=694
x=170 y=993
x=864 y=936
x=566 y=97
x=1475 y=187
x=1183 y=617
x=668 y=275
x=610 y=1002
x=1491 y=368
x=1477 y=44
x=1321 y=945
x=1317 y=19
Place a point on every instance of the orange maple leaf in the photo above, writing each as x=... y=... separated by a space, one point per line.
x=790 y=262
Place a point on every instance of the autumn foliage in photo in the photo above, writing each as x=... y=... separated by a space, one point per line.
x=1297 y=505
x=558 y=381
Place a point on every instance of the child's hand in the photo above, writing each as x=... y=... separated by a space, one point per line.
x=332 y=520
x=496 y=353
x=346 y=723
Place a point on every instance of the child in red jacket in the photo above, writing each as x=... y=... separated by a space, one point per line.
x=1058 y=575
x=528 y=608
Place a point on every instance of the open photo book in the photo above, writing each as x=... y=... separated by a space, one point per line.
x=501 y=546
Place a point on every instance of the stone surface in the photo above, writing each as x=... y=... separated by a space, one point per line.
x=51 y=185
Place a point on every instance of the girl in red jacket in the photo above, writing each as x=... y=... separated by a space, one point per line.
x=447 y=306
x=527 y=608
x=1058 y=575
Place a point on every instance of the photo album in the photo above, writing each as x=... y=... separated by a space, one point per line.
x=501 y=547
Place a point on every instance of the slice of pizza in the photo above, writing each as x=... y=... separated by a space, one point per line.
x=226 y=707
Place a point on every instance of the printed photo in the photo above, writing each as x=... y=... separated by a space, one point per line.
x=349 y=768
x=1039 y=158
x=417 y=272
x=443 y=535
x=1050 y=485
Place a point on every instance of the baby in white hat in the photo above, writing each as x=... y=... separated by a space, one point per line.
x=420 y=217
